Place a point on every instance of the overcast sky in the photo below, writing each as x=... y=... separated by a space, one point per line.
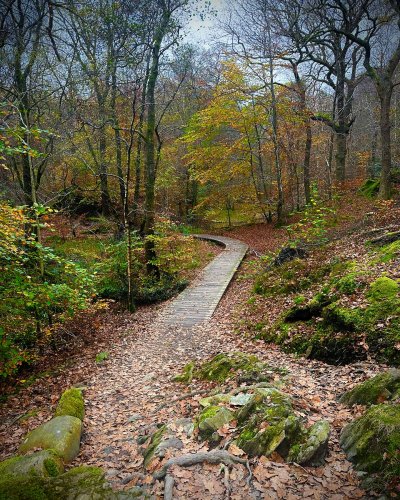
x=203 y=32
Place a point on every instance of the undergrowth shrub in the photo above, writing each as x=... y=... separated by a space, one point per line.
x=38 y=290
x=175 y=255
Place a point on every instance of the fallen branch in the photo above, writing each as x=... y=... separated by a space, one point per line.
x=212 y=457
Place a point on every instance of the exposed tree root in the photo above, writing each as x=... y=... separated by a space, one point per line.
x=212 y=457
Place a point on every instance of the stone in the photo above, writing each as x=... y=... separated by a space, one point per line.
x=71 y=403
x=312 y=450
x=135 y=417
x=61 y=434
x=224 y=366
x=215 y=400
x=372 y=443
x=382 y=387
x=211 y=419
x=266 y=404
x=79 y=483
x=42 y=463
x=240 y=399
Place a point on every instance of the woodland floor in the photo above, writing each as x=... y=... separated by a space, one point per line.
x=131 y=392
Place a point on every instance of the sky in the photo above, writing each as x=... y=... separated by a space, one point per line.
x=203 y=31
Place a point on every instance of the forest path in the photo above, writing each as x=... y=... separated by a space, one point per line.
x=198 y=302
x=133 y=392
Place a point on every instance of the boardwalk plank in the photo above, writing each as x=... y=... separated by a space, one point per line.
x=198 y=302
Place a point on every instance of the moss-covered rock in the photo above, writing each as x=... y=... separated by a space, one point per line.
x=61 y=434
x=187 y=374
x=211 y=419
x=42 y=463
x=310 y=448
x=266 y=421
x=383 y=289
x=215 y=400
x=268 y=405
x=372 y=442
x=341 y=318
x=390 y=252
x=384 y=386
x=155 y=440
x=226 y=365
x=71 y=403
x=80 y=483
x=311 y=310
x=370 y=188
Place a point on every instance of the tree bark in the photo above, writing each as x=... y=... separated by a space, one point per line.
x=385 y=96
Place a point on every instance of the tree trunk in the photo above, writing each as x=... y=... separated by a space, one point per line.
x=103 y=170
x=341 y=152
x=341 y=136
x=385 y=95
x=306 y=163
x=150 y=170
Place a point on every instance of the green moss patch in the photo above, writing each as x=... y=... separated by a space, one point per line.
x=154 y=442
x=372 y=443
x=211 y=419
x=71 y=403
x=384 y=386
x=370 y=188
x=79 y=482
x=224 y=366
x=42 y=463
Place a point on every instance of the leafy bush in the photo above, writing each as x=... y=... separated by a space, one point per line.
x=38 y=290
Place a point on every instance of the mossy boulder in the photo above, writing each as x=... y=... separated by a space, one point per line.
x=311 y=310
x=151 y=449
x=42 y=463
x=79 y=483
x=266 y=421
x=214 y=400
x=266 y=404
x=311 y=448
x=224 y=366
x=61 y=434
x=384 y=386
x=187 y=374
x=211 y=419
x=372 y=443
x=71 y=403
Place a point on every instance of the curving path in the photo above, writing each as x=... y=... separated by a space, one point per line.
x=198 y=302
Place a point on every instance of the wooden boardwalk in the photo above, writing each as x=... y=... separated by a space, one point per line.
x=198 y=302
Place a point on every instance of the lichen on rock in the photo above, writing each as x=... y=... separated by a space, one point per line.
x=61 y=434
x=384 y=386
x=71 y=403
x=372 y=443
x=311 y=446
